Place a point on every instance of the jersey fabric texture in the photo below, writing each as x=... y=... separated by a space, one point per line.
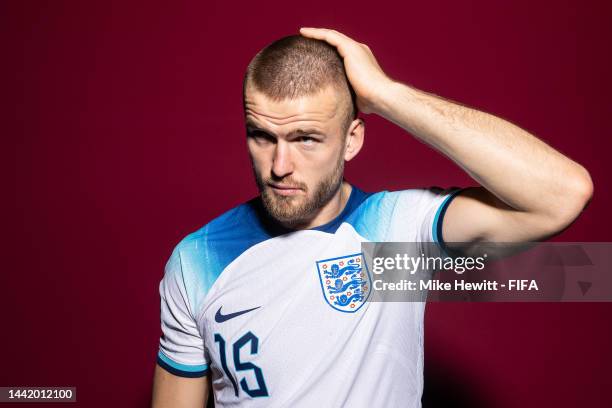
x=280 y=318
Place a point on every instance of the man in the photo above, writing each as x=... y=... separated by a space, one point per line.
x=266 y=304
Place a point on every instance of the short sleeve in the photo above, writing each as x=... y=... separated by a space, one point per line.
x=435 y=202
x=181 y=347
x=417 y=214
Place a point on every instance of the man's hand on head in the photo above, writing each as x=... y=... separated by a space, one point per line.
x=528 y=191
x=365 y=75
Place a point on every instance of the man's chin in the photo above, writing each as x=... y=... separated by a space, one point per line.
x=288 y=221
x=285 y=210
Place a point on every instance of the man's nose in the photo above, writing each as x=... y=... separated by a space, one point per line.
x=282 y=164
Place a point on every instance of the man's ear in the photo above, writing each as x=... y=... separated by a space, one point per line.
x=354 y=139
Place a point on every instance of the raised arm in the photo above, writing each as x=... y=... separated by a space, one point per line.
x=529 y=191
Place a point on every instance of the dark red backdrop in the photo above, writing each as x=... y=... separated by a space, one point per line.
x=123 y=132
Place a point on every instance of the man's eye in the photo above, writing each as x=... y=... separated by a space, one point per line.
x=308 y=141
x=260 y=136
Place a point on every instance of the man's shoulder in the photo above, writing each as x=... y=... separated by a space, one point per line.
x=414 y=196
x=390 y=198
x=234 y=225
x=384 y=211
x=205 y=252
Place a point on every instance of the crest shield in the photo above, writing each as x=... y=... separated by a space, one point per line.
x=345 y=282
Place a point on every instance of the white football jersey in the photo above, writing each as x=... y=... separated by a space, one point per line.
x=281 y=318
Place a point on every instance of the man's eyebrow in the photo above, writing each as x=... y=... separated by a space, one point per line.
x=251 y=126
x=307 y=131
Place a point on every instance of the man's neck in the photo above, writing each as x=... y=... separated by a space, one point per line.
x=332 y=209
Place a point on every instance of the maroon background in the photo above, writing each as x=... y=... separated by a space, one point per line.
x=123 y=132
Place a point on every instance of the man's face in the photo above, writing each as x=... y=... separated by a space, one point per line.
x=297 y=151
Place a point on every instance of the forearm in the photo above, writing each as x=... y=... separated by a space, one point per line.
x=170 y=391
x=519 y=169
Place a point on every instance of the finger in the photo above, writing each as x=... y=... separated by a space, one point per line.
x=333 y=37
x=324 y=34
x=318 y=33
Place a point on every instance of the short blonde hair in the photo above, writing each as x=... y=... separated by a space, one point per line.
x=296 y=66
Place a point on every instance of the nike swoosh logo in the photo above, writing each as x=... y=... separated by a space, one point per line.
x=220 y=318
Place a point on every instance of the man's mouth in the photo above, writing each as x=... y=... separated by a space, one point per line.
x=285 y=189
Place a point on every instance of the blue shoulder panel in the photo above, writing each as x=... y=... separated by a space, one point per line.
x=373 y=216
x=207 y=252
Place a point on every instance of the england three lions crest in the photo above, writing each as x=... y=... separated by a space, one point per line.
x=345 y=282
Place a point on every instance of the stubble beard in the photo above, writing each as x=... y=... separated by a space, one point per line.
x=292 y=211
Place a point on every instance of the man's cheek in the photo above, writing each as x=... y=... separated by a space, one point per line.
x=262 y=167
